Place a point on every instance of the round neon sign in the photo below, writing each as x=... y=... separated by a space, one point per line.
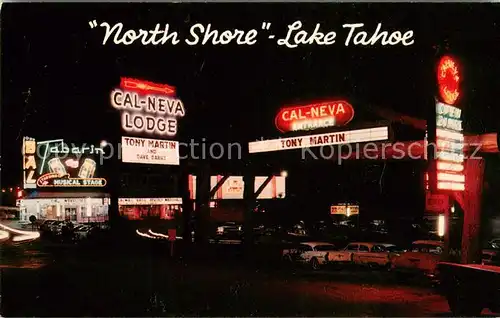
x=448 y=78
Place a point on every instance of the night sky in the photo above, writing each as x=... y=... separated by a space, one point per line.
x=57 y=75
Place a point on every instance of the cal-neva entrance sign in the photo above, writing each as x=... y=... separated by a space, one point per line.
x=337 y=138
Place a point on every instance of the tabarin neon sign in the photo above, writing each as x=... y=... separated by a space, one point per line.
x=56 y=180
x=63 y=148
x=147 y=107
x=62 y=165
x=314 y=116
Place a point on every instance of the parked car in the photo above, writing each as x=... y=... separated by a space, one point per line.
x=314 y=254
x=55 y=228
x=373 y=254
x=346 y=255
x=45 y=226
x=394 y=249
x=81 y=232
x=422 y=258
x=229 y=229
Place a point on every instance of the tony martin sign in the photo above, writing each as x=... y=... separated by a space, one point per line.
x=337 y=138
x=150 y=151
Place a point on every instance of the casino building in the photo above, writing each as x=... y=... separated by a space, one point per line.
x=62 y=182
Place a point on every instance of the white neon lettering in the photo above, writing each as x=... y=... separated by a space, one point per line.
x=448 y=166
x=130 y=36
x=450 y=156
x=286 y=112
x=29 y=162
x=29 y=179
x=449 y=123
x=449 y=111
x=384 y=37
x=144 y=123
x=63 y=148
x=340 y=109
x=302 y=37
x=148 y=103
x=216 y=37
x=310 y=124
x=442 y=133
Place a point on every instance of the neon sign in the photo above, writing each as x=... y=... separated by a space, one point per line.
x=450 y=145
x=71 y=163
x=314 y=116
x=448 y=78
x=60 y=164
x=60 y=147
x=145 y=87
x=29 y=162
x=147 y=107
x=56 y=180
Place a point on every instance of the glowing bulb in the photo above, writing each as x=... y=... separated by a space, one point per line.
x=284 y=173
x=441 y=225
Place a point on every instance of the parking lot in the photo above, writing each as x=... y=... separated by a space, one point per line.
x=76 y=283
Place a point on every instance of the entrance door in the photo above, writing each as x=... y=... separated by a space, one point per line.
x=70 y=214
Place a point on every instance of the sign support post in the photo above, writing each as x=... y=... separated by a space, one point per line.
x=172 y=236
x=219 y=184
x=187 y=205
x=249 y=198
x=202 y=201
x=471 y=249
x=263 y=186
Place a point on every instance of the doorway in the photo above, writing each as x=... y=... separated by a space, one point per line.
x=70 y=214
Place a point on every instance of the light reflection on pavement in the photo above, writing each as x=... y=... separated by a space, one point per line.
x=23 y=256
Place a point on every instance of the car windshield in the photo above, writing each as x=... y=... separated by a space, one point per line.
x=427 y=248
x=326 y=247
x=394 y=249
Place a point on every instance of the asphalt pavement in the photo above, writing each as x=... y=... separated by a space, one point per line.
x=75 y=283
